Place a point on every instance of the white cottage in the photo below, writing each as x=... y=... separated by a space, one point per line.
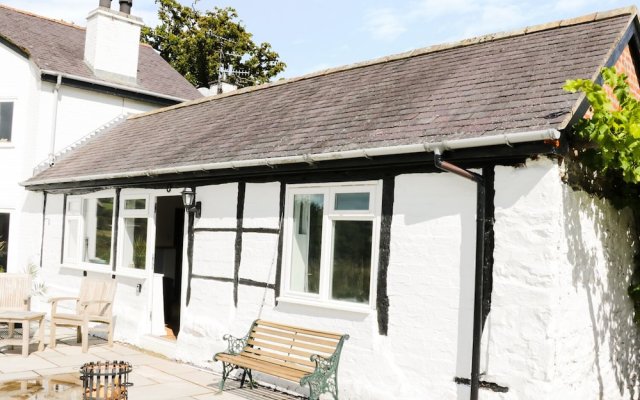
x=60 y=84
x=417 y=202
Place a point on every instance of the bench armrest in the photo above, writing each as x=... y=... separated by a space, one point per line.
x=324 y=377
x=235 y=345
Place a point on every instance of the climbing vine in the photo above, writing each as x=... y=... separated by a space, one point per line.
x=614 y=125
x=609 y=148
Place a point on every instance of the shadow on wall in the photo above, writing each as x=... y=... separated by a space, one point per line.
x=602 y=243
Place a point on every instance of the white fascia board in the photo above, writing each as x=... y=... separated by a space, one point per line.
x=456 y=144
x=112 y=85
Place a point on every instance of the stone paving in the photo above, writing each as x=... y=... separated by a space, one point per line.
x=153 y=377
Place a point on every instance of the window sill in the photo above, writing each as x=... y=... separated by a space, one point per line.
x=364 y=309
x=7 y=145
x=118 y=272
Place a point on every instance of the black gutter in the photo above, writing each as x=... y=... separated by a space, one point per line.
x=479 y=275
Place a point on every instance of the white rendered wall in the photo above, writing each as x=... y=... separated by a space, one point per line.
x=131 y=309
x=430 y=289
x=561 y=324
x=79 y=113
x=18 y=84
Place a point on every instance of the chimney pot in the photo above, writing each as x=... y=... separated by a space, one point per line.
x=105 y=3
x=125 y=6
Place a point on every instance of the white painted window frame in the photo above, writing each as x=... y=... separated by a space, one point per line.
x=10 y=144
x=146 y=213
x=77 y=260
x=329 y=190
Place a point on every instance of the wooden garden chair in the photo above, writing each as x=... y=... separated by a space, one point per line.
x=15 y=294
x=94 y=304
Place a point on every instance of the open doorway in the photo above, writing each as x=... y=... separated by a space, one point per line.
x=168 y=259
x=4 y=241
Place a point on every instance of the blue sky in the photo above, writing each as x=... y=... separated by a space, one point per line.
x=317 y=34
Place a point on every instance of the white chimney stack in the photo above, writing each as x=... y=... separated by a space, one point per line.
x=112 y=42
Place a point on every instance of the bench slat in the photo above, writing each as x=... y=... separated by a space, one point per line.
x=293 y=343
x=298 y=337
x=286 y=350
x=291 y=362
x=265 y=367
x=330 y=335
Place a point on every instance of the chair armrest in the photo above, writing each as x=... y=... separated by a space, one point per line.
x=57 y=299
x=89 y=302
x=54 y=302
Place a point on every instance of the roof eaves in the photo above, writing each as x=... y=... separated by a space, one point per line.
x=14 y=46
x=116 y=86
x=452 y=144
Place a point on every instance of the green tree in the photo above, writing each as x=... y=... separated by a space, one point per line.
x=195 y=42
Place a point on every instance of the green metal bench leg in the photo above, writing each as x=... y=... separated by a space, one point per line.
x=226 y=370
x=251 y=382
x=246 y=372
x=323 y=384
x=244 y=376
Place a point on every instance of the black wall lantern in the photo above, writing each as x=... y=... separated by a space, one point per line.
x=189 y=202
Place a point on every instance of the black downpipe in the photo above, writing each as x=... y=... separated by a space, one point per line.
x=479 y=275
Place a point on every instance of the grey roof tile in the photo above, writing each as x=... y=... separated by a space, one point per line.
x=478 y=87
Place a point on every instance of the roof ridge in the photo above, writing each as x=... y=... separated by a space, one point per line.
x=29 y=13
x=597 y=16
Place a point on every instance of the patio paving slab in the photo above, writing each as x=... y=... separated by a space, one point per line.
x=154 y=377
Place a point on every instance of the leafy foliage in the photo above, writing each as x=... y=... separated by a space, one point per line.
x=613 y=131
x=614 y=126
x=192 y=41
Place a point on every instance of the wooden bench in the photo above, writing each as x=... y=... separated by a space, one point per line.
x=296 y=354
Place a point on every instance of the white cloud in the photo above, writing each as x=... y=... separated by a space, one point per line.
x=384 y=24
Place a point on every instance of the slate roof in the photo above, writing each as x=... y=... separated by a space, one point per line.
x=495 y=84
x=59 y=46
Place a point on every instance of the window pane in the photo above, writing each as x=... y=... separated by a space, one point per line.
x=73 y=207
x=71 y=247
x=351 y=261
x=135 y=204
x=135 y=243
x=6 y=121
x=307 y=242
x=352 y=201
x=98 y=217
